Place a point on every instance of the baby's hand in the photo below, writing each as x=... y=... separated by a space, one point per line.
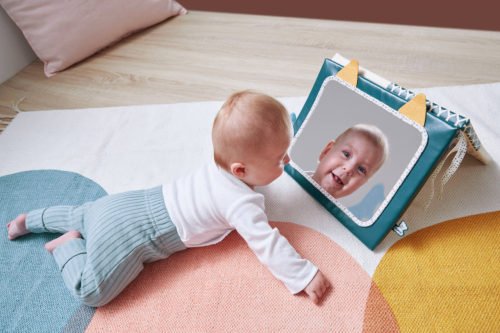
x=317 y=287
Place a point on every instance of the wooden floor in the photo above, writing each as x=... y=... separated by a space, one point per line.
x=206 y=56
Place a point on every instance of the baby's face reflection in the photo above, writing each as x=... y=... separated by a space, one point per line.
x=347 y=164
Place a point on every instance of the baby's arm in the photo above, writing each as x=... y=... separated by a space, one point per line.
x=317 y=287
x=272 y=249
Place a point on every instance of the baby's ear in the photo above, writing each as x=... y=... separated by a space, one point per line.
x=239 y=170
x=326 y=150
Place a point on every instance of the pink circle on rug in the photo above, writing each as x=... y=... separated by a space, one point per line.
x=224 y=287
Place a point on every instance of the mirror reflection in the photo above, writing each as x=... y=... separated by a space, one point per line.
x=355 y=149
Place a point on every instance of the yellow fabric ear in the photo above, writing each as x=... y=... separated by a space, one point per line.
x=415 y=109
x=350 y=73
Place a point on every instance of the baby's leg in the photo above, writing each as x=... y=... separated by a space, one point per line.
x=50 y=246
x=17 y=227
x=57 y=219
x=93 y=282
x=123 y=231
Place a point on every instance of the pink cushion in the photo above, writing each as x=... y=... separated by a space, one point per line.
x=63 y=32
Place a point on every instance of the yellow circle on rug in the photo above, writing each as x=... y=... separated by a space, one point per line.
x=445 y=277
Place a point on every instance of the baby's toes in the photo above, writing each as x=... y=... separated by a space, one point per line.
x=8 y=224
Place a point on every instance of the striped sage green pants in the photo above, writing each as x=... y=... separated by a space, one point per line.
x=120 y=232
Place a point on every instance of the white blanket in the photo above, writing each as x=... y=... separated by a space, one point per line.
x=127 y=148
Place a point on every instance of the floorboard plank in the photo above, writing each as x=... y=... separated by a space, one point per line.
x=206 y=56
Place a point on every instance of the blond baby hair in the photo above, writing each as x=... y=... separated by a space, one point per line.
x=372 y=133
x=246 y=123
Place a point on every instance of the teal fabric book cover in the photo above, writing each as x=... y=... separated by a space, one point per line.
x=360 y=152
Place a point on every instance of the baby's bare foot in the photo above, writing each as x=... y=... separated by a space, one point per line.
x=50 y=246
x=17 y=227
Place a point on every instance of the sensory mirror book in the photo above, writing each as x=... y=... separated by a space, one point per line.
x=363 y=147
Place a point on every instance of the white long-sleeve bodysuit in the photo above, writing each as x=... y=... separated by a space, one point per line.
x=206 y=205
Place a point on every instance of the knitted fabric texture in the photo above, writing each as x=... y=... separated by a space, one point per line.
x=442 y=275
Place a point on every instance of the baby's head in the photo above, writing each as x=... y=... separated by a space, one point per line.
x=251 y=135
x=351 y=160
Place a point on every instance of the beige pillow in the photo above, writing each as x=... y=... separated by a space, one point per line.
x=63 y=32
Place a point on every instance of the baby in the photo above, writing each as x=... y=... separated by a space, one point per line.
x=105 y=242
x=351 y=160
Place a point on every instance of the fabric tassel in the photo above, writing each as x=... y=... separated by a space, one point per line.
x=461 y=149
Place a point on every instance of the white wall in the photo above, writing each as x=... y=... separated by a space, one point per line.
x=15 y=52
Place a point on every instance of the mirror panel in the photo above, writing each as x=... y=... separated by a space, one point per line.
x=349 y=167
